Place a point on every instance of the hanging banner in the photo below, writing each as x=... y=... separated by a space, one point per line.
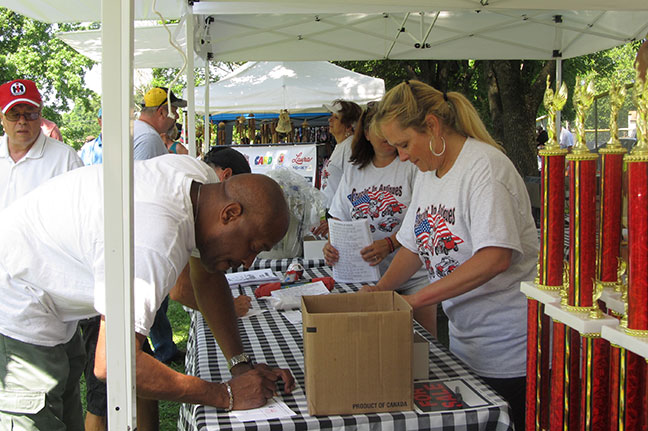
x=301 y=158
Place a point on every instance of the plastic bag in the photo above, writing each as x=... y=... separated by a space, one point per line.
x=306 y=205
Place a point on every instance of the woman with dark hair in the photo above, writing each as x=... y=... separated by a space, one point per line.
x=378 y=186
x=344 y=115
x=470 y=224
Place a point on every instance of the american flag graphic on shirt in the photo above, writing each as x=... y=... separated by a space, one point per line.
x=375 y=204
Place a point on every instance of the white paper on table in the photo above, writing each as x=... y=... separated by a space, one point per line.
x=314 y=288
x=246 y=278
x=293 y=316
x=253 y=312
x=274 y=409
x=349 y=237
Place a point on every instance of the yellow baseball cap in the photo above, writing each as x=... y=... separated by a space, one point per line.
x=157 y=96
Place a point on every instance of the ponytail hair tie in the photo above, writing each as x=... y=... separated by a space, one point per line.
x=445 y=96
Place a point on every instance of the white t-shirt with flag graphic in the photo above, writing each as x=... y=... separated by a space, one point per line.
x=381 y=195
x=481 y=202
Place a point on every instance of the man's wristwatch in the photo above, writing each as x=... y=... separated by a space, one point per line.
x=241 y=358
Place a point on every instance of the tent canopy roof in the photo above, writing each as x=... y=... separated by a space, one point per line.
x=286 y=30
x=298 y=86
x=90 y=10
x=483 y=33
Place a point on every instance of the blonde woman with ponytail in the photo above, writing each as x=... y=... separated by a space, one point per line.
x=469 y=224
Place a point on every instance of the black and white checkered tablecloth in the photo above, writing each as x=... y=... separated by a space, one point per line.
x=272 y=339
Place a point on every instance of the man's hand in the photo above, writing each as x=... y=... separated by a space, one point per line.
x=255 y=387
x=242 y=305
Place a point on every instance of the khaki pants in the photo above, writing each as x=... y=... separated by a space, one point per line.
x=39 y=386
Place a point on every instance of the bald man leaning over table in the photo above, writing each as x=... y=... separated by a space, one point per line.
x=179 y=205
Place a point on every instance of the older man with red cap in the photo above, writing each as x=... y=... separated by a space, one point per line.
x=27 y=156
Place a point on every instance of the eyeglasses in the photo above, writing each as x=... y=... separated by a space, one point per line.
x=29 y=116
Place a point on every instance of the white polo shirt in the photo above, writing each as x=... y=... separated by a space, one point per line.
x=52 y=247
x=47 y=158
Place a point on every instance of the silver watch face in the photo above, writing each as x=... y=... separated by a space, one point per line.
x=238 y=359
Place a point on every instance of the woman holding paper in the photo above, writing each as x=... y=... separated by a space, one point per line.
x=344 y=115
x=470 y=224
x=377 y=186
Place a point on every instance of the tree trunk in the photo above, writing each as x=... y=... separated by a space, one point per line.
x=514 y=99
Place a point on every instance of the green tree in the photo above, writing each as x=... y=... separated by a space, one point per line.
x=30 y=50
x=507 y=93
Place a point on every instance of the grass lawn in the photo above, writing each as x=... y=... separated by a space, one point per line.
x=168 y=410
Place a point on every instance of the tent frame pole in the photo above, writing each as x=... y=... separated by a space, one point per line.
x=117 y=90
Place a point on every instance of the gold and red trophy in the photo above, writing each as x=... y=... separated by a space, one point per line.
x=594 y=380
x=550 y=265
x=609 y=243
x=604 y=369
x=636 y=320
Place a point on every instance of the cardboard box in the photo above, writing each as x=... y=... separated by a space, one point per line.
x=357 y=353
x=313 y=248
x=421 y=358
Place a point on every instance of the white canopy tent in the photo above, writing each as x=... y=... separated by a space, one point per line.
x=494 y=30
x=299 y=86
x=307 y=30
x=151 y=45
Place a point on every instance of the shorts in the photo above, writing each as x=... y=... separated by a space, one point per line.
x=39 y=385
x=96 y=400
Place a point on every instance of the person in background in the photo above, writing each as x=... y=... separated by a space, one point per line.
x=179 y=204
x=92 y=151
x=470 y=224
x=344 y=115
x=378 y=186
x=27 y=157
x=542 y=136
x=155 y=118
x=226 y=161
x=50 y=129
x=566 y=137
x=541 y=139
x=170 y=139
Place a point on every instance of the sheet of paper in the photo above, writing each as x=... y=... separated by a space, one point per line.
x=349 y=237
x=274 y=409
x=253 y=312
x=247 y=278
x=293 y=316
x=315 y=288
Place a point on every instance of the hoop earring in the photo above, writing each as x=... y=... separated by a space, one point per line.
x=442 y=151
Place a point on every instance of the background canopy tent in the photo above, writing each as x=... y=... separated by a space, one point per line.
x=298 y=86
x=151 y=45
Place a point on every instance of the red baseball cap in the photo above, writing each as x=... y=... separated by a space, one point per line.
x=19 y=91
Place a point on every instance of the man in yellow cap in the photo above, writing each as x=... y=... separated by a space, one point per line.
x=156 y=117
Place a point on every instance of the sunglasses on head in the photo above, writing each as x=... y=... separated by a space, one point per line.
x=29 y=116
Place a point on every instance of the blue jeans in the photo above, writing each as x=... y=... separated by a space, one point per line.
x=161 y=334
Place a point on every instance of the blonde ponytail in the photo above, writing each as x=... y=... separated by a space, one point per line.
x=411 y=101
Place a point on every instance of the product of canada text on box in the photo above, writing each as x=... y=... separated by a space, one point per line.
x=357 y=353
